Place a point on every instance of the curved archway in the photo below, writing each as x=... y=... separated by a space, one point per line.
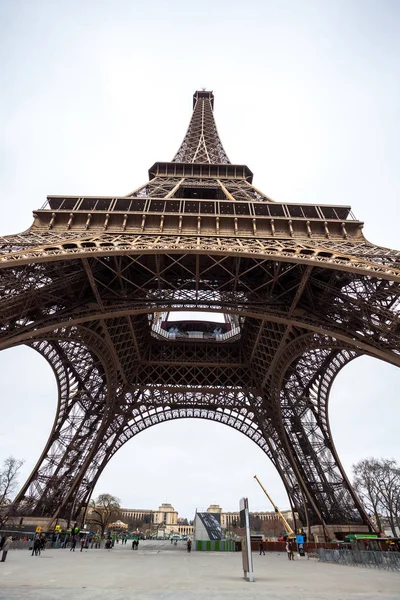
x=227 y=417
x=282 y=339
x=191 y=463
x=362 y=409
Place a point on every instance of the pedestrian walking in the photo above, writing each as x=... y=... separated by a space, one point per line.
x=36 y=547
x=288 y=547
x=82 y=544
x=189 y=545
x=43 y=541
x=262 y=551
x=6 y=546
x=73 y=544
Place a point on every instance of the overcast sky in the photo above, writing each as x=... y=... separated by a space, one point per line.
x=306 y=94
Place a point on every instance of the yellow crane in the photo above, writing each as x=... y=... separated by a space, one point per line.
x=289 y=530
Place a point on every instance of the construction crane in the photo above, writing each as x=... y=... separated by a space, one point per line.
x=289 y=530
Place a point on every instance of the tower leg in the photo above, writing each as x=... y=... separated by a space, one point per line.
x=303 y=392
x=61 y=479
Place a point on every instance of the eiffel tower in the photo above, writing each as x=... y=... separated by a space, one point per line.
x=277 y=299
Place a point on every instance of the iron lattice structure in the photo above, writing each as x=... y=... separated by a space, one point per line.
x=303 y=293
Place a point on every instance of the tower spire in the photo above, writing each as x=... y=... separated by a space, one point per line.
x=201 y=143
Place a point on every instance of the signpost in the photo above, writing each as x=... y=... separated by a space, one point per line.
x=247 y=558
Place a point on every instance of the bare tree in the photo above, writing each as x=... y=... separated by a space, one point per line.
x=377 y=482
x=134 y=524
x=397 y=508
x=273 y=527
x=255 y=522
x=8 y=484
x=366 y=485
x=104 y=510
x=389 y=486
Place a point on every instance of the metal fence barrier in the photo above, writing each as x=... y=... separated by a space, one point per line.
x=389 y=561
x=24 y=541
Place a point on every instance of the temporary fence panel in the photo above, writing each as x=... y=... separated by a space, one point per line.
x=361 y=558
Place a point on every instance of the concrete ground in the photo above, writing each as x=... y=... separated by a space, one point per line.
x=160 y=571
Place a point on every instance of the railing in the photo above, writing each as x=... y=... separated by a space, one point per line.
x=389 y=561
x=199 y=335
x=189 y=207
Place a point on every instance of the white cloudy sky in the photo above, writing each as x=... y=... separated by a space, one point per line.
x=307 y=94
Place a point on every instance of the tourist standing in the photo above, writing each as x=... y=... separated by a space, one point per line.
x=262 y=551
x=189 y=545
x=43 y=541
x=73 y=544
x=6 y=546
x=289 y=550
x=37 y=544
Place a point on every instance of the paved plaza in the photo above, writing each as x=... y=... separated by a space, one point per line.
x=159 y=571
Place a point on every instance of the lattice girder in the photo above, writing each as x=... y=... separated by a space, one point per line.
x=84 y=377
x=240 y=409
x=300 y=388
x=359 y=310
x=201 y=143
x=362 y=258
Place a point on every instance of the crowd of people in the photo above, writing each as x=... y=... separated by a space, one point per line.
x=72 y=541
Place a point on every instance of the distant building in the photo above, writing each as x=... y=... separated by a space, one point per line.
x=227 y=519
x=166 y=515
x=165 y=519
